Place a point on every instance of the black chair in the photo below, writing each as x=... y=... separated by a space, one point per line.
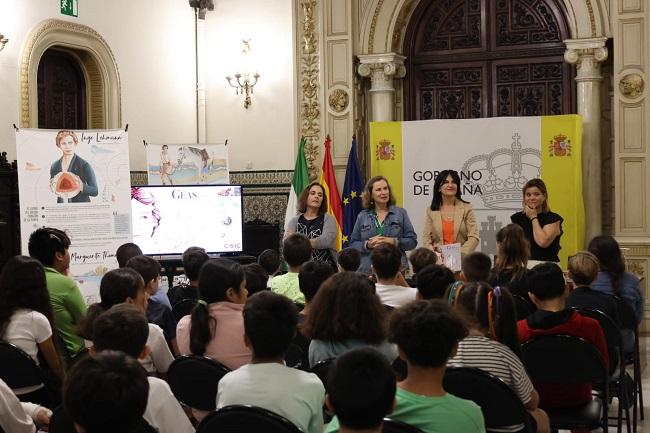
x=627 y=318
x=394 y=426
x=194 y=380
x=570 y=360
x=296 y=357
x=239 y=418
x=500 y=405
x=182 y=308
x=18 y=370
x=321 y=369
x=60 y=422
x=618 y=384
x=523 y=306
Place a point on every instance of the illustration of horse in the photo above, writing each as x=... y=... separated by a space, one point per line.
x=197 y=158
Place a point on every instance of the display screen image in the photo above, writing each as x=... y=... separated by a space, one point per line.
x=166 y=220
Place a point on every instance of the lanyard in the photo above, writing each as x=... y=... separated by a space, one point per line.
x=379 y=227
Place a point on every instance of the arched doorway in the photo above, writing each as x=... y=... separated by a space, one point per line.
x=487 y=58
x=61 y=91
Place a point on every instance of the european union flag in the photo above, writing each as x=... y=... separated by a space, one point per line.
x=352 y=190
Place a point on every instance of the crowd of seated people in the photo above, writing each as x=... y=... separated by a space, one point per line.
x=106 y=365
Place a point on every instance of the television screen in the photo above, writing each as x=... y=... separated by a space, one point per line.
x=166 y=220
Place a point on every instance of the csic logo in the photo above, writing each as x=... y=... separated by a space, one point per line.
x=385 y=151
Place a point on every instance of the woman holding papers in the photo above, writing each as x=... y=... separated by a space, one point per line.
x=542 y=228
x=449 y=219
x=381 y=222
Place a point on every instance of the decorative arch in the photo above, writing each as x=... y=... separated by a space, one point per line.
x=97 y=61
x=383 y=22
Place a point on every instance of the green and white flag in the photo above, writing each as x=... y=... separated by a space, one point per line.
x=299 y=182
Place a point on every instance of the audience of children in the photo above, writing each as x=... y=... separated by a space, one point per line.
x=433 y=281
x=26 y=317
x=20 y=417
x=361 y=390
x=270 y=324
x=349 y=259
x=349 y=315
x=427 y=334
x=124 y=328
x=157 y=313
x=50 y=247
x=126 y=285
x=475 y=267
x=511 y=260
x=343 y=316
x=216 y=326
x=126 y=252
x=548 y=292
x=106 y=393
x=386 y=264
x=492 y=344
x=296 y=250
x=193 y=259
x=256 y=278
x=270 y=261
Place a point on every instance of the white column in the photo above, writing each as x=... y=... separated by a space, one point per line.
x=587 y=54
x=382 y=70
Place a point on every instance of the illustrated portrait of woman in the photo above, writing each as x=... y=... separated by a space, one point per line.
x=72 y=178
x=146 y=216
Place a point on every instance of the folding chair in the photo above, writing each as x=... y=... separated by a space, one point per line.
x=194 y=380
x=500 y=405
x=570 y=360
x=240 y=418
x=523 y=306
x=394 y=426
x=19 y=370
x=182 y=308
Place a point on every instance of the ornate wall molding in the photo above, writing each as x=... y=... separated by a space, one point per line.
x=79 y=38
x=373 y=27
x=310 y=112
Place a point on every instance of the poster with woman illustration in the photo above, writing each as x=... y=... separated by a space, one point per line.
x=187 y=164
x=77 y=181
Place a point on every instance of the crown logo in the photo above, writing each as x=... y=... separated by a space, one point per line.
x=385 y=151
x=559 y=146
x=502 y=174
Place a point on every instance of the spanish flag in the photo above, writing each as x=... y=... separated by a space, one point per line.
x=328 y=180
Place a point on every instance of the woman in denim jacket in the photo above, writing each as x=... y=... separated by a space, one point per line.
x=381 y=222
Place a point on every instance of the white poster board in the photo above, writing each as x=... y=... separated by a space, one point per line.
x=187 y=164
x=79 y=182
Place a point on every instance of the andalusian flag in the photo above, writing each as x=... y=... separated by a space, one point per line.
x=494 y=157
x=299 y=182
x=328 y=180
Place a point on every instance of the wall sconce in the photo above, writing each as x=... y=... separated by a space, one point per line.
x=3 y=41
x=242 y=83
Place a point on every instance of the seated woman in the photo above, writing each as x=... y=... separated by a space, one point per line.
x=346 y=313
x=510 y=261
x=314 y=222
x=26 y=318
x=450 y=219
x=492 y=344
x=542 y=228
x=612 y=278
x=216 y=326
x=125 y=285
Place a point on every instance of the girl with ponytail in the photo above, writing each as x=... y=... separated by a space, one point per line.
x=125 y=285
x=216 y=326
x=492 y=344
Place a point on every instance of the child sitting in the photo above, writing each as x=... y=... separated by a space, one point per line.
x=270 y=324
x=296 y=250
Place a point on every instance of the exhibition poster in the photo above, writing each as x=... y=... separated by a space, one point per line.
x=77 y=181
x=187 y=164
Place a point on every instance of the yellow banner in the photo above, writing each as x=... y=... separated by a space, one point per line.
x=561 y=147
x=386 y=155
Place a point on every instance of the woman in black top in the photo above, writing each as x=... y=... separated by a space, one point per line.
x=542 y=228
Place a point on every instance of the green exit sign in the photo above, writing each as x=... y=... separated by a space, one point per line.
x=70 y=7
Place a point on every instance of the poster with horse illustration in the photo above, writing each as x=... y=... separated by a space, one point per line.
x=187 y=164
